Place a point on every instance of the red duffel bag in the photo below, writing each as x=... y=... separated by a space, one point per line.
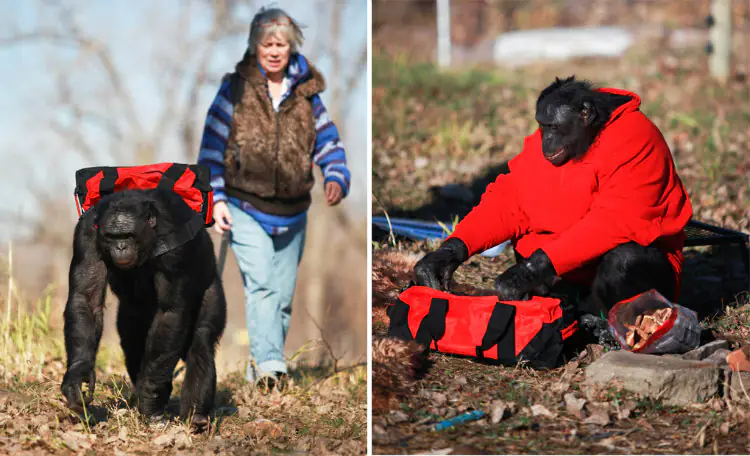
x=191 y=182
x=484 y=327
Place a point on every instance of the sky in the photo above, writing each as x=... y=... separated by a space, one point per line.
x=140 y=34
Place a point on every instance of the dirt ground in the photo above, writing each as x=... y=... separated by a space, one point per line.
x=321 y=412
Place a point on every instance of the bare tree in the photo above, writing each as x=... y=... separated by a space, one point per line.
x=182 y=75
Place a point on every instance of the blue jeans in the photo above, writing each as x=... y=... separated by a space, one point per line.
x=268 y=265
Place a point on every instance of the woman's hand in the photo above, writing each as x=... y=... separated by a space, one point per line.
x=222 y=217
x=334 y=193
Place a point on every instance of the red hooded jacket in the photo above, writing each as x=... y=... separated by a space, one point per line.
x=625 y=188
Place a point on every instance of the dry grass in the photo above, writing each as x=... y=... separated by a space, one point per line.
x=321 y=411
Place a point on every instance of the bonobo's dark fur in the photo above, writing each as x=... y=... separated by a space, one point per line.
x=171 y=306
x=571 y=114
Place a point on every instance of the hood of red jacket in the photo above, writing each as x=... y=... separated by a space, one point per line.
x=633 y=105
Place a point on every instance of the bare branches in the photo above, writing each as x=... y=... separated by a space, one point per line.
x=186 y=72
x=71 y=35
x=359 y=67
x=104 y=56
x=224 y=25
x=335 y=47
x=336 y=359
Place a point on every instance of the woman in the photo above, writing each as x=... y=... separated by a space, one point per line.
x=264 y=131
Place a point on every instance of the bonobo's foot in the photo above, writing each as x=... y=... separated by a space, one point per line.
x=608 y=341
x=598 y=329
x=592 y=324
x=151 y=404
x=199 y=422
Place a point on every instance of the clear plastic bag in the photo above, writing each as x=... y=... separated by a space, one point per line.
x=650 y=323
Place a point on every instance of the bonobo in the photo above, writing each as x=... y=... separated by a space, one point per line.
x=171 y=301
x=593 y=206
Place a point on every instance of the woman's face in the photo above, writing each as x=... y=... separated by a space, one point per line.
x=273 y=53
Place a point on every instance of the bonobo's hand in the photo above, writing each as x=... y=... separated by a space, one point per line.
x=435 y=270
x=596 y=328
x=532 y=273
x=78 y=373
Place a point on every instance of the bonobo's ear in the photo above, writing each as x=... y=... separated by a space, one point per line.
x=588 y=113
x=151 y=214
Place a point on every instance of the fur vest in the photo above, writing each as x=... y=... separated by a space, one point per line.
x=269 y=154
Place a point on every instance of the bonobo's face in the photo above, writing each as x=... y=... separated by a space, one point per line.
x=126 y=235
x=563 y=130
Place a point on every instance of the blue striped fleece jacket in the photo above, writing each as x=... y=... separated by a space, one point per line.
x=328 y=153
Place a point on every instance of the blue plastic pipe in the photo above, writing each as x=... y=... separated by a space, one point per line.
x=422 y=230
x=470 y=416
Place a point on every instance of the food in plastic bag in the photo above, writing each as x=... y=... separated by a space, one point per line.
x=650 y=323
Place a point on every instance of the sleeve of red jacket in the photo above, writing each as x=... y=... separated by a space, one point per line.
x=496 y=219
x=633 y=200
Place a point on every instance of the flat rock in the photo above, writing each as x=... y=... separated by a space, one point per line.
x=718 y=358
x=707 y=350
x=674 y=381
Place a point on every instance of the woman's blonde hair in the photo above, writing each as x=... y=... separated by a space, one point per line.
x=269 y=21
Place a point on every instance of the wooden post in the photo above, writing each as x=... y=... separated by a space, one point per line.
x=719 y=62
x=444 y=33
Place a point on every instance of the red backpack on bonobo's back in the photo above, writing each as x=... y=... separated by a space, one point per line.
x=191 y=182
x=484 y=327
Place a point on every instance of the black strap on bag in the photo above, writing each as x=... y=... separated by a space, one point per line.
x=170 y=177
x=432 y=327
x=500 y=332
x=182 y=235
x=398 y=314
x=107 y=184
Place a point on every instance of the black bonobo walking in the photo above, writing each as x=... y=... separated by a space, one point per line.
x=171 y=300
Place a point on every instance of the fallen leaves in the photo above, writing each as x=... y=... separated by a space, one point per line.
x=574 y=405
x=540 y=410
x=262 y=428
x=501 y=410
x=77 y=440
x=398 y=416
x=599 y=415
x=163 y=440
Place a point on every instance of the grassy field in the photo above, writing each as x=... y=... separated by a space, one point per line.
x=433 y=128
x=321 y=412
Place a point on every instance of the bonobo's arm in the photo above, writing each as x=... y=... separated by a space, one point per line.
x=165 y=341
x=497 y=218
x=83 y=312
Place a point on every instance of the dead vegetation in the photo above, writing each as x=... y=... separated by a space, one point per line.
x=323 y=411
x=531 y=411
